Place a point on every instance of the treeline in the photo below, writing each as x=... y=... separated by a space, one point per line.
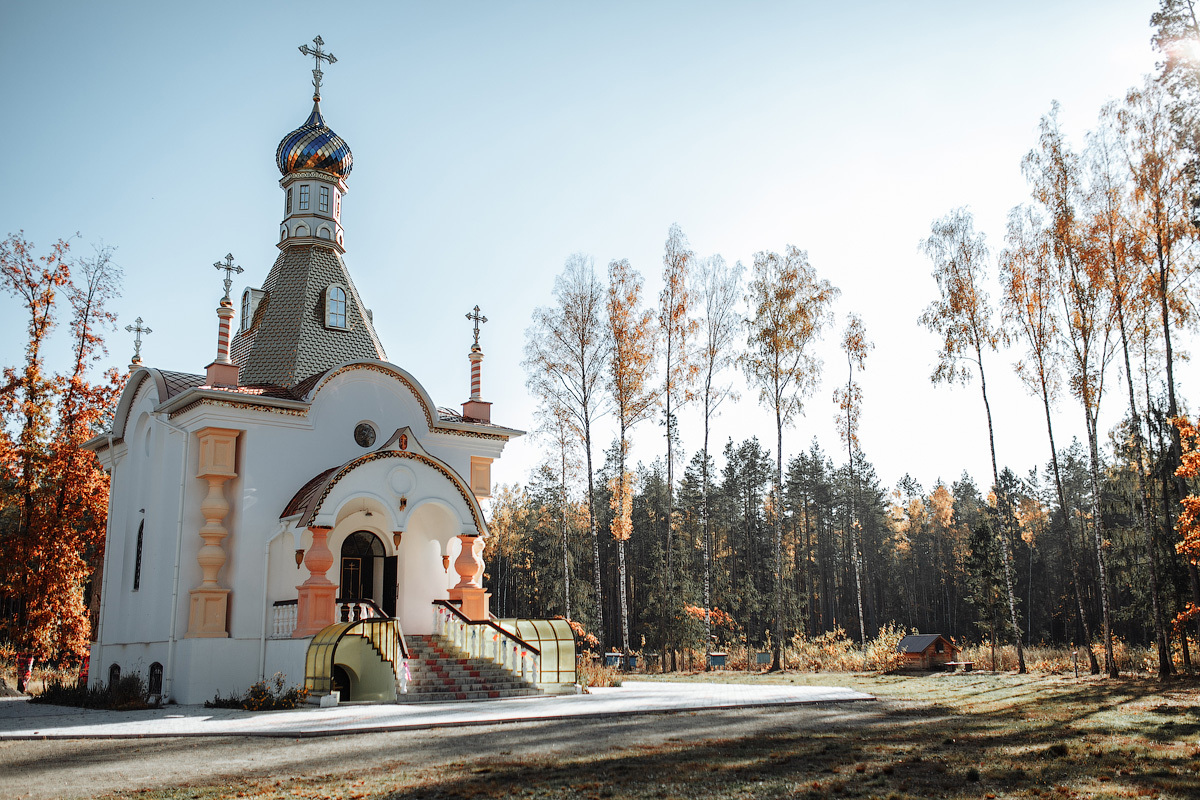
x=756 y=546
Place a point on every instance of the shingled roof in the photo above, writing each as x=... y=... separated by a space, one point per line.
x=287 y=341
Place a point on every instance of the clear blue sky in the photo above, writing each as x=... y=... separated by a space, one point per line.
x=492 y=140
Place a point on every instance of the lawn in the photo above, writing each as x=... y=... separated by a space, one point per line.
x=976 y=735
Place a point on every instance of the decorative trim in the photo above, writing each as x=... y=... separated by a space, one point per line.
x=429 y=421
x=209 y=401
x=463 y=490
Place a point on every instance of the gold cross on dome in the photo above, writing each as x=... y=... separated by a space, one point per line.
x=229 y=268
x=318 y=57
x=474 y=315
x=137 y=329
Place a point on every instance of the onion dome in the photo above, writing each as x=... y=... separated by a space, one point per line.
x=314 y=146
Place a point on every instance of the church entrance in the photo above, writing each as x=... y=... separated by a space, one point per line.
x=366 y=573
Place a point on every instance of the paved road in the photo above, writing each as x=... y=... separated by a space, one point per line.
x=71 y=768
x=56 y=752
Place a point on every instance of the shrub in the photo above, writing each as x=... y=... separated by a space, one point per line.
x=130 y=693
x=881 y=653
x=263 y=696
x=592 y=672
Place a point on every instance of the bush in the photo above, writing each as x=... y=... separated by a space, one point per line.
x=592 y=672
x=881 y=653
x=130 y=693
x=263 y=696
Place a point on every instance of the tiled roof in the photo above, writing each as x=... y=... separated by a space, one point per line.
x=177 y=382
x=288 y=341
x=303 y=498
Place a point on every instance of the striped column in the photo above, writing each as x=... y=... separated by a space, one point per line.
x=225 y=313
x=222 y=371
x=476 y=371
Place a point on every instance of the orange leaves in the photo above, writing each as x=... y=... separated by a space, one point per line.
x=633 y=344
x=621 y=502
x=962 y=314
x=1188 y=524
x=789 y=308
x=56 y=492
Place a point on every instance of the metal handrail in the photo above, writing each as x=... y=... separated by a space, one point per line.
x=521 y=659
x=504 y=631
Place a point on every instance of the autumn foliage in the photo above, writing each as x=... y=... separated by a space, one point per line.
x=53 y=495
x=1188 y=524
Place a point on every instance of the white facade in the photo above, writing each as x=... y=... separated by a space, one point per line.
x=218 y=488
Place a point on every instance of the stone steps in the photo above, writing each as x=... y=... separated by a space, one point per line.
x=439 y=673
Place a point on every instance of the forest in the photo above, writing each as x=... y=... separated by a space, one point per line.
x=739 y=543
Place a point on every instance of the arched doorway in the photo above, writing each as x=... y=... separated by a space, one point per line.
x=366 y=572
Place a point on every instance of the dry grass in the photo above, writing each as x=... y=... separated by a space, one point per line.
x=42 y=675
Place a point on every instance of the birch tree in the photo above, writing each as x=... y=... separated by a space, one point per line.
x=1028 y=277
x=719 y=287
x=1111 y=243
x=856 y=346
x=631 y=331
x=790 y=308
x=961 y=316
x=566 y=354
x=677 y=330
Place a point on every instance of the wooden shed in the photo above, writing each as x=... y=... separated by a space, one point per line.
x=928 y=650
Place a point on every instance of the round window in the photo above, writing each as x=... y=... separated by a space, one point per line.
x=364 y=434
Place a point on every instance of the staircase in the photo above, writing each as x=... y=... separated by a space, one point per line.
x=440 y=672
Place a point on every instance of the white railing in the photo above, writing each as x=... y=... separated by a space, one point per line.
x=283 y=619
x=487 y=640
x=354 y=610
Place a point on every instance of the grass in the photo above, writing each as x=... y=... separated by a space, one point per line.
x=974 y=735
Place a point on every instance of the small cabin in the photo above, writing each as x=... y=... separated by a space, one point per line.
x=928 y=650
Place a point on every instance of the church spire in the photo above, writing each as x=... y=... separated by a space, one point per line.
x=222 y=371
x=475 y=408
x=308 y=316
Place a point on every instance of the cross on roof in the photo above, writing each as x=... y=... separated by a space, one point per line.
x=318 y=57
x=474 y=315
x=229 y=268
x=137 y=329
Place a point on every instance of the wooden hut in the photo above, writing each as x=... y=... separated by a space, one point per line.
x=928 y=650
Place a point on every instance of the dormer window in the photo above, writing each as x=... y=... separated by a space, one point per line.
x=304 y=198
x=245 y=309
x=335 y=307
x=288 y=208
x=323 y=200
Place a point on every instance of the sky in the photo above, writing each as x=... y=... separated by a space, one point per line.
x=493 y=140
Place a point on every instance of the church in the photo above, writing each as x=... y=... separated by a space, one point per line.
x=302 y=506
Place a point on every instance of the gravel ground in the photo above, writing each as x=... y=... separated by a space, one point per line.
x=88 y=768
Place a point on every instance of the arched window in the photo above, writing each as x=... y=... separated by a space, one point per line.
x=137 y=562
x=114 y=674
x=335 y=307
x=156 y=673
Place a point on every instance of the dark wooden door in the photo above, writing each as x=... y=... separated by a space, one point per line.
x=389 y=586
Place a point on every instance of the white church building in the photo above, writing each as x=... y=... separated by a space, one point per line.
x=302 y=506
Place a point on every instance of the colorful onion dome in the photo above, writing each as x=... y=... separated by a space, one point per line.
x=314 y=146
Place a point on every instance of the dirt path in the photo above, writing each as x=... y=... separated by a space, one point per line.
x=88 y=768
